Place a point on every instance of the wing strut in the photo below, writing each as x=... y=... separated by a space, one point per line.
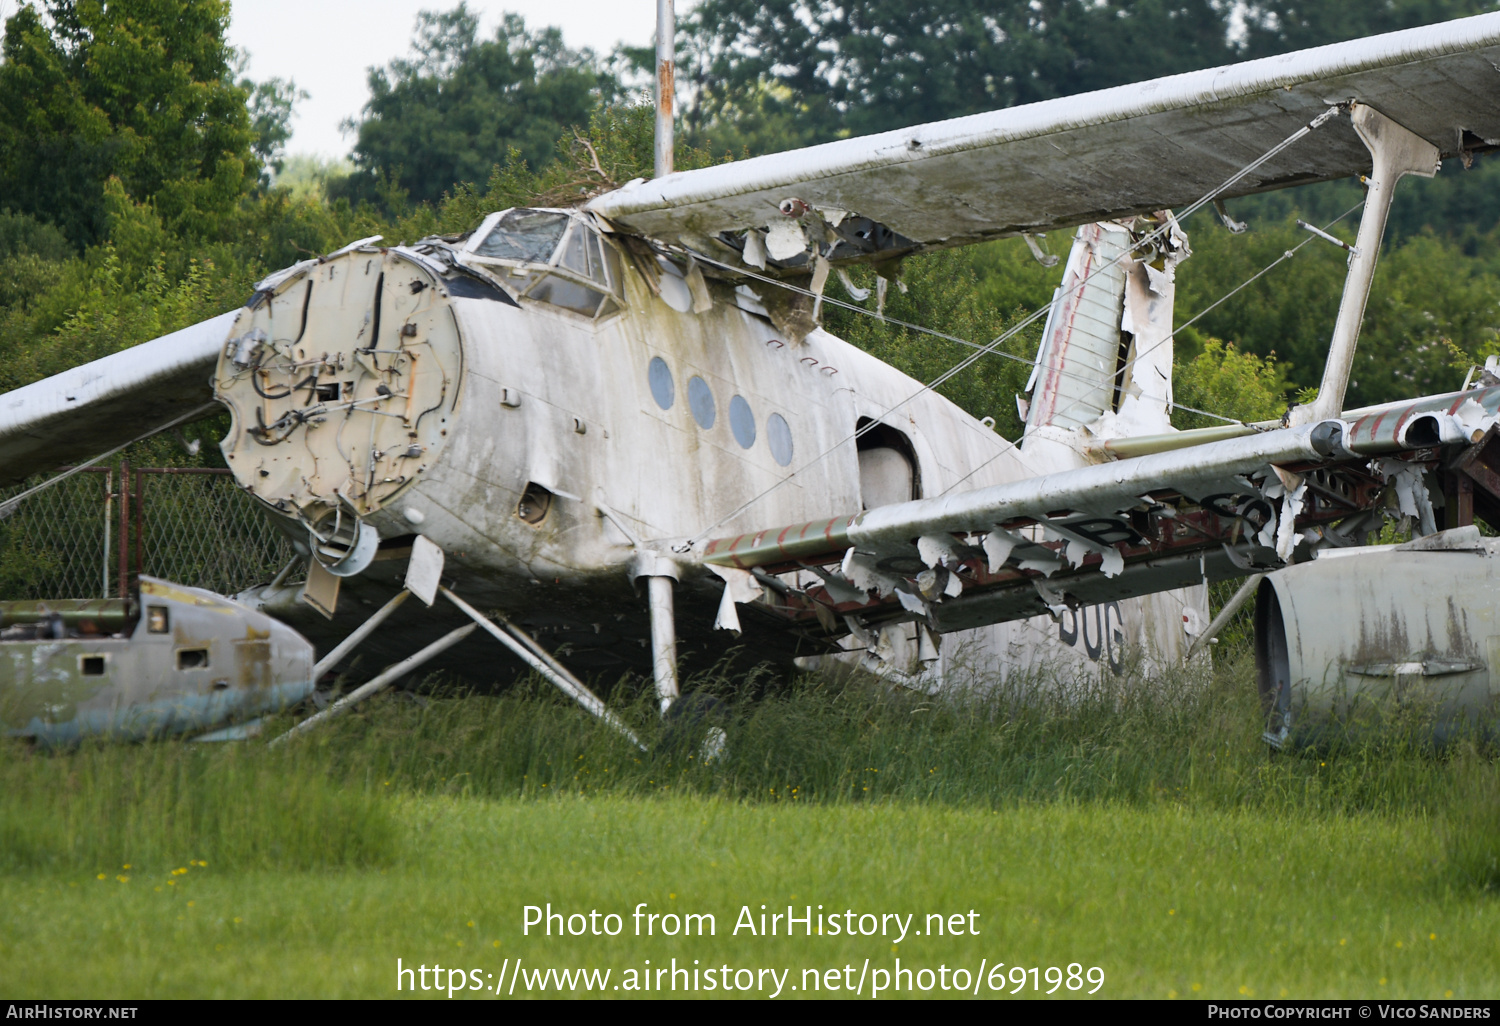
x=1396 y=152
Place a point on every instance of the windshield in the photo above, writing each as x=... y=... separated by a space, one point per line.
x=528 y=235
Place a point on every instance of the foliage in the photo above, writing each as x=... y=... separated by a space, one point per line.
x=271 y=104
x=139 y=91
x=785 y=73
x=1433 y=310
x=1223 y=380
x=443 y=116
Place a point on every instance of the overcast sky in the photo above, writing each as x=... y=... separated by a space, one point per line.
x=326 y=45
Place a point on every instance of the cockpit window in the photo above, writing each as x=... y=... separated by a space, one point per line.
x=529 y=235
x=585 y=274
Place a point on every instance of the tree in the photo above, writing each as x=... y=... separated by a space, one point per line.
x=141 y=91
x=803 y=71
x=453 y=110
x=271 y=105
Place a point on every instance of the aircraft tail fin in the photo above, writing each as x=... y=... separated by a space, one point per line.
x=1105 y=360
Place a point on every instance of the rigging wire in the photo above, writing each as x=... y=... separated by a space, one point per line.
x=1009 y=333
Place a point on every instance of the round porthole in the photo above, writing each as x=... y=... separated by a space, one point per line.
x=701 y=401
x=742 y=422
x=779 y=438
x=662 y=388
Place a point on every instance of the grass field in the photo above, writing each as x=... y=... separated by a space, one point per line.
x=1142 y=831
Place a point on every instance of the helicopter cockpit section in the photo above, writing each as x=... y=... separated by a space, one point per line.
x=556 y=257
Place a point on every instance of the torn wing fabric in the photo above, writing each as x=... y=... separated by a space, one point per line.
x=1112 y=153
x=739 y=586
x=75 y=414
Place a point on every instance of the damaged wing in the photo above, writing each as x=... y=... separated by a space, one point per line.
x=1119 y=529
x=83 y=411
x=1097 y=156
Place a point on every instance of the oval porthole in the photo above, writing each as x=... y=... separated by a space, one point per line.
x=779 y=438
x=701 y=401
x=742 y=421
x=662 y=388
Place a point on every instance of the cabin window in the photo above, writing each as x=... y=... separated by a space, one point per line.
x=526 y=235
x=157 y=621
x=779 y=438
x=662 y=388
x=701 y=402
x=742 y=421
x=192 y=658
x=568 y=294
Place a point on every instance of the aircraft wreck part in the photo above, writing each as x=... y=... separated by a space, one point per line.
x=1396 y=152
x=359 y=634
x=1202 y=472
x=663 y=641
x=1032 y=547
x=524 y=646
x=1375 y=430
x=1243 y=594
x=1364 y=637
x=181 y=660
x=138 y=391
x=1017 y=170
x=87 y=616
x=342 y=376
x=381 y=681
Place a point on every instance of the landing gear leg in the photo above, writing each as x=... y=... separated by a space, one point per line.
x=663 y=641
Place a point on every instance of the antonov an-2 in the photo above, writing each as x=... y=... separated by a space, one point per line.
x=598 y=434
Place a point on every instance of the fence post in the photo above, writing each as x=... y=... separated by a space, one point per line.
x=124 y=565
x=139 y=504
x=109 y=499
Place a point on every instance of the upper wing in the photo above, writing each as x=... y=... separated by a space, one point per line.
x=88 y=409
x=1126 y=528
x=1107 y=154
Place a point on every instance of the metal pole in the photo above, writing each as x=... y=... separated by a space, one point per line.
x=663 y=641
x=566 y=682
x=109 y=527
x=666 y=84
x=124 y=564
x=359 y=634
x=139 y=511
x=391 y=673
x=1230 y=608
x=1395 y=152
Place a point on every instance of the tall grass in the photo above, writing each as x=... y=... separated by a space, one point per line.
x=103 y=806
x=1470 y=825
x=1191 y=737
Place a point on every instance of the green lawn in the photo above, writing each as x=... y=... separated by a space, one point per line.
x=1165 y=900
x=1139 y=829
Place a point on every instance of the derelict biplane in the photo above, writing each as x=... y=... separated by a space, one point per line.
x=600 y=434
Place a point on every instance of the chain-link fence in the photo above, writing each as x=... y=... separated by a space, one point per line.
x=89 y=535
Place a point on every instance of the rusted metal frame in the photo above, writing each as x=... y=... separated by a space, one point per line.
x=123 y=581
x=183 y=470
x=109 y=499
x=666 y=85
x=138 y=511
x=1207 y=530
